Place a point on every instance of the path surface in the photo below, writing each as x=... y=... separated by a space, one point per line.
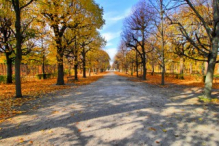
x=115 y=111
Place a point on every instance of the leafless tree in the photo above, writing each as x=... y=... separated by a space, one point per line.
x=137 y=29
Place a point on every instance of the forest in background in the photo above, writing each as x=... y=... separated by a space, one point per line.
x=50 y=39
x=170 y=37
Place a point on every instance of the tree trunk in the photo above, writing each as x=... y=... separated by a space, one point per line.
x=96 y=70
x=137 y=70
x=18 y=57
x=162 y=46
x=9 y=68
x=17 y=77
x=191 y=68
x=43 y=67
x=213 y=55
x=84 y=69
x=144 y=68
x=181 y=67
x=84 y=64
x=60 y=54
x=60 y=79
x=152 y=73
x=211 y=66
x=76 y=71
x=136 y=62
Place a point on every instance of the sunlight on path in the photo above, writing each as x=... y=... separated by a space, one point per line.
x=113 y=111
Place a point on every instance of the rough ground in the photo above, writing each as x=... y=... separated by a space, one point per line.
x=115 y=111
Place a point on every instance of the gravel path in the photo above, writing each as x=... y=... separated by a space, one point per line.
x=115 y=111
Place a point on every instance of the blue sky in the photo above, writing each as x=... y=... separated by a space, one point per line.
x=114 y=13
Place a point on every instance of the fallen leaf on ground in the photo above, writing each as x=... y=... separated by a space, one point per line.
x=18 y=112
x=55 y=112
x=164 y=130
x=152 y=129
x=21 y=140
x=33 y=89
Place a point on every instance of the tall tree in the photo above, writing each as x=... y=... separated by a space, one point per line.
x=19 y=6
x=7 y=36
x=207 y=29
x=161 y=6
x=58 y=15
x=138 y=29
x=90 y=41
x=73 y=14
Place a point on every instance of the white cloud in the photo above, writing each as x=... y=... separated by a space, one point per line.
x=113 y=17
x=112 y=52
x=117 y=18
x=110 y=36
x=109 y=44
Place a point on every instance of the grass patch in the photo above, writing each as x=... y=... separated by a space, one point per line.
x=208 y=100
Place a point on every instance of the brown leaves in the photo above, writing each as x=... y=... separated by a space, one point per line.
x=155 y=80
x=32 y=90
x=55 y=112
x=20 y=140
x=152 y=129
x=89 y=126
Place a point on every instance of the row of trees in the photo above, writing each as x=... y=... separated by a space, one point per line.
x=61 y=28
x=159 y=30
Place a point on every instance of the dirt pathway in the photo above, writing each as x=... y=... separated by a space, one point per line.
x=115 y=111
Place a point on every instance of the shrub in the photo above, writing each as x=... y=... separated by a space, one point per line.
x=45 y=76
x=3 y=79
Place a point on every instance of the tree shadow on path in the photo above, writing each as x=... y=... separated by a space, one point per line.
x=114 y=111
